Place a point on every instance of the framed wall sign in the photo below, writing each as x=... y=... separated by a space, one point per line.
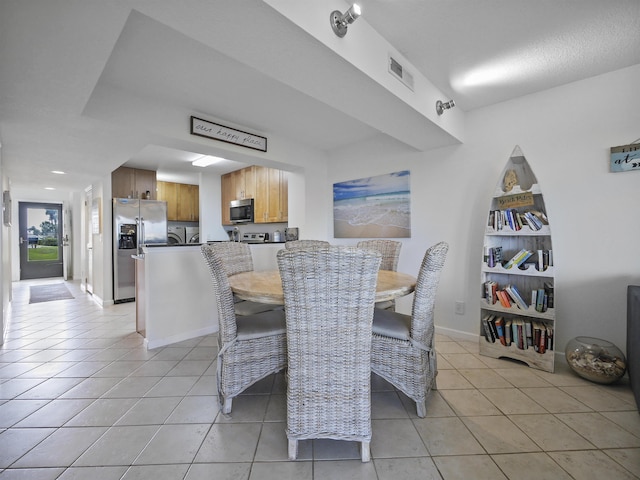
x=215 y=131
x=625 y=158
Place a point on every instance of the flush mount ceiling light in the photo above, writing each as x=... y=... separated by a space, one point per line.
x=340 y=21
x=206 y=160
x=58 y=172
x=442 y=106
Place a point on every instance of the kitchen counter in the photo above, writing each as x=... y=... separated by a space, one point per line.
x=174 y=297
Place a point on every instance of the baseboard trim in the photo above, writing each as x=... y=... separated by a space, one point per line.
x=163 y=342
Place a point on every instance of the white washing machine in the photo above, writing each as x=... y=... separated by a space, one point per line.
x=193 y=234
x=176 y=235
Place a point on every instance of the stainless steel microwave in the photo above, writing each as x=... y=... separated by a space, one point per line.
x=241 y=211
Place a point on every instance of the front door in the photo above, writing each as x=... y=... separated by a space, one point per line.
x=40 y=240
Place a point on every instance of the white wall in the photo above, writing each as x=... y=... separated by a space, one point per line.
x=565 y=134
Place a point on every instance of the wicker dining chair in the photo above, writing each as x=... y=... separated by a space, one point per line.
x=403 y=351
x=390 y=251
x=249 y=347
x=329 y=295
x=305 y=244
x=236 y=258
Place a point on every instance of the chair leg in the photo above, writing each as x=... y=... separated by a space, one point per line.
x=226 y=406
x=421 y=408
x=365 y=451
x=293 y=449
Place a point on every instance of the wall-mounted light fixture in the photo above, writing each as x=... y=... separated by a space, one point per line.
x=442 y=106
x=340 y=21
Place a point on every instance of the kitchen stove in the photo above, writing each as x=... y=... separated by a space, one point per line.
x=255 y=237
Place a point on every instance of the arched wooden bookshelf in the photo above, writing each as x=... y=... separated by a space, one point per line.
x=519 y=328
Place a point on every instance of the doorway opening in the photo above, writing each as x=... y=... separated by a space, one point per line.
x=41 y=252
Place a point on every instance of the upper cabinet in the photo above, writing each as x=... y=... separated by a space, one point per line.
x=271 y=200
x=133 y=183
x=268 y=188
x=183 y=201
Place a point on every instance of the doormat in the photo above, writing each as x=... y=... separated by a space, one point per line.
x=49 y=293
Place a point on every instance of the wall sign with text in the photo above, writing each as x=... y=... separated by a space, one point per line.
x=625 y=158
x=204 y=128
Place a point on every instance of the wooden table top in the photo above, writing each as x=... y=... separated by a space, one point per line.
x=266 y=286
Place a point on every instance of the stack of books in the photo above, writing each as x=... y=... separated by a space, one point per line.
x=521 y=332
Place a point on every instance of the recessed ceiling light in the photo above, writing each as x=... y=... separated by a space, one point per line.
x=206 y=160
x=49 y=188
x=58 y=172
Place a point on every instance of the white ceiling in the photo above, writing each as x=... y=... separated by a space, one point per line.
x=87 y=86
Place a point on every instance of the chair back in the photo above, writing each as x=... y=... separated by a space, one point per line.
x=306 y=244
x=329 y=296
x=222 y=290
x=424 y=299
x=234 y=256
x=389 y=249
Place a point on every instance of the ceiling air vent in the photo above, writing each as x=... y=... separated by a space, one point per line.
x=400 y=72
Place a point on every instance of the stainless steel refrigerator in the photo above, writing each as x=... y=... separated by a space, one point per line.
x=135 y=223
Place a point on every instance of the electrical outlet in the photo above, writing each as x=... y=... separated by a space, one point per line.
x=459 y=307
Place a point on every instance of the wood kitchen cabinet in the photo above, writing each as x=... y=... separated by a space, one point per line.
x=168 y=192
x=271 y=199
x=267 y=186
x=183 y=201
x=129 y=182
x=237 y=185
x=188 y=202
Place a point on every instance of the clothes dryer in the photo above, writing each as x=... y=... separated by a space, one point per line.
x=176 y=235
x=193 y=234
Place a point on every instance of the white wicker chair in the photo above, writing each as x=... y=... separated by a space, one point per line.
x=250 y=347
x=403 y=351
x=390 y=251
x=236 y=258
x=291 y=244
x=329 y=295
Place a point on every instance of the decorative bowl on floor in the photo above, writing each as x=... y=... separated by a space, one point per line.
x=595 y=359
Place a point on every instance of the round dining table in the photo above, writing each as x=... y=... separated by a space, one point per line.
x=266 y=286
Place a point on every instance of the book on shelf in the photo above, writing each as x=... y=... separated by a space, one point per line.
x=492 y=255
x=533 y=222
x=499 y=323
x=511 y=219
x=528 y=332
x=490 y=292
x=504 y=298
x=514 y=220
x=542 y=345
x=520 y=334
x=541 y=301
x=508 y=331
x=514 y=293
x=492 y=325
x=538 y=336
x=544 y=260
x=540 y=216
x=488 y=333
x=519 y=258
x=548 y=290
x=542 y=336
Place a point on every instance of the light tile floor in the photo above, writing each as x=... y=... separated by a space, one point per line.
x=81 y=398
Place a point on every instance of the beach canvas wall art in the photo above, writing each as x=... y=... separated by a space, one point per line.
x=373 y=207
